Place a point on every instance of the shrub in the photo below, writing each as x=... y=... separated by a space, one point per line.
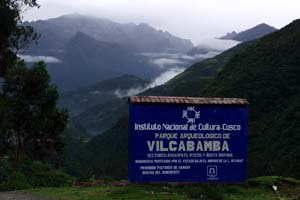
x=43 y=175
x=33 y=174
x=16 y=181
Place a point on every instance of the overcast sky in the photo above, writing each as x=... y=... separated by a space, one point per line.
x=197 y=20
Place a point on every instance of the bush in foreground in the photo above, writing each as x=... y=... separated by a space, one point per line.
x=33 y=174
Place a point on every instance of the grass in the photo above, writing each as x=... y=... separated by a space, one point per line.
x=256 y=189
x=108 y=192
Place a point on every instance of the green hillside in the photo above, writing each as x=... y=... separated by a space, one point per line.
x=267 y=74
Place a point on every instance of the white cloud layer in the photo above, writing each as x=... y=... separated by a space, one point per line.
x=166 y=76
x=126 y=93
x=164 y=62
x=217 y=44
x=46 y=59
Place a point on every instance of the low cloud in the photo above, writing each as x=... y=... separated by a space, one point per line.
x=46 y=59
x=215 y=44
x=161 y=79
x=96 y=92
x=130 y=92
x=164 y=62
x=207 y=55
x=166 y=76
x=176 y=56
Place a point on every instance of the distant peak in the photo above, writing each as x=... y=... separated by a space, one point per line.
x=255 y=32
x=264 y=25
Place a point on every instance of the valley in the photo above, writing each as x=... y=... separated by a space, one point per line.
x=66 y=79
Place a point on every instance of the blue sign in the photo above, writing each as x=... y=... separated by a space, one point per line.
x=187 y=143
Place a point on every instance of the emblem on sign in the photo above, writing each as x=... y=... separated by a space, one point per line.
x=212 y=170
x=191 y=114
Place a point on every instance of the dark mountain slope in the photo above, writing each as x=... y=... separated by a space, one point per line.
x=267 y=74
x=103 y=156
x=250 y=34
x=103 y=116
x=79 y=100
x=113 y=162
x=99 y=106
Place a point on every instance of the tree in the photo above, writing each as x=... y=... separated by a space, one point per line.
x=31 y=124
x=13 y=34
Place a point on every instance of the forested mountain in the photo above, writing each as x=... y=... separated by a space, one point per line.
x=250 y=34
x=266 y=72
x=56 y=33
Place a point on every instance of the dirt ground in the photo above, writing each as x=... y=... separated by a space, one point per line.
x=19 y=196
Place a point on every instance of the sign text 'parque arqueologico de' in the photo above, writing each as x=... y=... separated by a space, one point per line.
x=187 y=139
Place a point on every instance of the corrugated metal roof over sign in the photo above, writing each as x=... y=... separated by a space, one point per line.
x=187 y=100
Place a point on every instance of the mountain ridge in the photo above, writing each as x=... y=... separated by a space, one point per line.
x=255 y=32
x=140 y=38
